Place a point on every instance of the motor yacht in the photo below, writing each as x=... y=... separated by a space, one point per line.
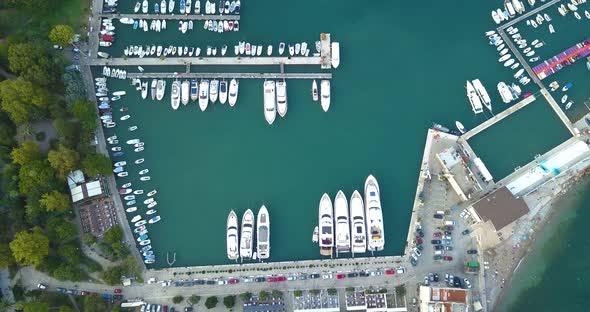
x=358 y=232
x=342 y=228
x=232 y=236
x=270 y=110
x=247 y=235
x=263 y=234
x=326 y=225
x=281 y=87
x=374 y=215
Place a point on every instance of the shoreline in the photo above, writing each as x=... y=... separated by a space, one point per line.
x=545 y=215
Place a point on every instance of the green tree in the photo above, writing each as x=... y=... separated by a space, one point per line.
x=74 y=87
x=29 y=5
x=55 y=201
x=211 y=302
x=177 y=299
x=297 y=293
x=6 y=258
x=23 y=101
x=7 y=131
x=36 y=307
x=277 y=293
x=263 y=295
x=85 y=112
x=89 y=239
x=70 y=253
x=97 y=165
x=30 y=247
x=194 y=299
x=314 y=291
x=60 y=229
x=332 y=291
x=112 y=275
x=63 y=160
x=61 y=35
x=246 y=296
x=65 y=308
x=229 y=301
x=68 y=272
x=113 y=235
x=95 y=304
x=28 y=151
x=36 y=177
x=32 y=62
x=400 y=291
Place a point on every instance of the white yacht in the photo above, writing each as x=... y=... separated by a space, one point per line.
x=144 y=90
x=160 y=89
x=204 y=94
x=326 y=224
x=505 y=92
x=358 y=232
x=282 y=97
x=335 y=54
x=473 y=98
x=263 y=234
x=184 y=92
x=213 y=90
x=233 y=92
x=175 y=95
x=314 y=91
x=232 y=236
x=194 y=90
x=342 y=224
x=247 y=235
x=270 y=109
x=374 y=215
x=483 y=94
x=325 y=94
x=223 y=92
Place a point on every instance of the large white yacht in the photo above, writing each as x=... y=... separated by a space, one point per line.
x=213 y=90
x=175 y=95
x=374 y=215
x=204 y=94
x=326 y=224
x=473 y=99
x=358 y=230
x=325 y=94
x=270 y=107
x=483 y=94
x=184 y=94
x=160 y=89
x=232 y=236
x=263 y=234
x=335 y=54
x=282 y=97
x=247 y=236
x=233 y=92
x=342 y=224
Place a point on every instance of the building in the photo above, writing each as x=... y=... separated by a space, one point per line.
x=98 y=216
x=271 y=305
x=374 y=302
x=80 y=189
x=457 y=170
x=442 y=299
x=316 y=302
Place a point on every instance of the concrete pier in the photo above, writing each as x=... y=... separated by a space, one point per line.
x=173 y=17
x=529 y=14
x=568 y=124
x=230 y=75
x=488 y=123
x=520 y=58
x=207 y=61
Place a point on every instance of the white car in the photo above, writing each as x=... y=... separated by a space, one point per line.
x=221 y=282
x=41 y=286
x=291 y=278
x=467 y=283
x=327 y=276
x=248 y=280
x=417 y=252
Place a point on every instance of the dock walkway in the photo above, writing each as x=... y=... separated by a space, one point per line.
x=520 y=58
x=230 y=75
x=528 y=14
x=200 y=17
x=206 y=61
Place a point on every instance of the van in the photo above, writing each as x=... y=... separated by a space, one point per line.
x=438 y=252
x=440 y=212
x=449 y=222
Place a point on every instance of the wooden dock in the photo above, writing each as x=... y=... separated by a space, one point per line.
x=488 y=123
x=198 y=17
x=207 y=61
x=230 y=75
x=528 y=14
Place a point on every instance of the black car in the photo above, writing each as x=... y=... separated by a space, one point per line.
x=315 y=275
x=472 y=251
x=420 y=232
x=438 y=216
x=118 y=297
x=435 y=241
x=352 y=274
x=457 y=281
x=177 y=284
x=413 y=261
x=448 y=233
x=363 y=274
x=260 y=279
x=466 y=232
x=198 y=282
x=187 y=284
x=438 y=247
x=210 y=282
x=436 y=277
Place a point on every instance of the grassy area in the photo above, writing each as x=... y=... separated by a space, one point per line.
x=71 y=12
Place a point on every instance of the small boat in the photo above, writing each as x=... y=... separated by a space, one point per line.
x=144 y=171
x=223 y=92
x=527 y=50
x=152 y=193
x=131 y=209
x=518 y=73
x=144 y=243
x=154 y=220
x=577 y=15
x=118 y=169
x=587 y=14
x=146 y=178
x=120 y=163
x=213 y=90
x=130 y=203
x=538 y=45
x=160 y=89
x=515 y=65
x=504 y=58
x=530 y=53
x=497 y=19
x=129 y=197
x=535 y=42
x=125 y=191
x=567 y=87
x=534 y=59
x=563 y=99
x=139 y=149
x=184 y=92
x=125 y=117
x=281 y=92
x=119 y=93
x=547 y=18
x=175 y=95
x=151 y=212
x=203 y=94
x=152 y=204
x=139 y=161
x=194 y=90
x=269 y=50
x=551 y=28
x=138 y=192
x=297 y=48
x=136 y=218
x=503 y=52
x=314 y=91
x=259 y=50
x=325 y=94
x=570 y=103
x=126 y=185
x=460 y=126
x=122 y=174
x=335 y=54
x=291 y=50
x=223 y=49
x=137 y=7
x=281 y=48
x=315 y=235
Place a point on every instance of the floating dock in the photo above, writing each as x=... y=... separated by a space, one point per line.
x=208 y=61
x=563 y=59
x=229 y=75
x=186 y=17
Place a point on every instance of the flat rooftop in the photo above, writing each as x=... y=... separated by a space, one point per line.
x=501 y=208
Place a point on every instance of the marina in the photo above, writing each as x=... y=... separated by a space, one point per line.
x=194 y=17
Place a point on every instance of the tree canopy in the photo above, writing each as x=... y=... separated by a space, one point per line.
x=194 y=299
x=23 y=101
x=30 y=247
x=32 y=62
x=36 y=307
x=95 y=304
x=70 y=253
x=229 y=301
x=28 y=152
x=211 y=302
x=59 y=229
x=113 y=235
x=36 y=177
x=63 y=160
x=61 y=35
x=177 y=299
x=6 y=258
x=55 y=201
x=85 y=112
x=96 y=165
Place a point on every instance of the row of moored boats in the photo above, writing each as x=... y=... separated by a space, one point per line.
x=204 y=92
x=240 y=242
x=355 y=228
x=186 y=7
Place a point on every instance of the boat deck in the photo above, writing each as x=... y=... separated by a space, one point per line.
x=199 y=17
x=563 y=59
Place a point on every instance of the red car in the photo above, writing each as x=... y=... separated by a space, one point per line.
x=449 y=227
x=281 y=279
x=447 y=258
x=271 y=279
x=234 y=280
x=118 y=291
x=389 y=272
x=340 y=276
x=419 y=240
x=437 y=234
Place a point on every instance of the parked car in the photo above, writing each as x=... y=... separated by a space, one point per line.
x=118 y=291
x=72 y=292
x=446 y=241
x=431 y=277
x=413 y=261
x=327 y=276
x=41 y=286
x=314 y=275
x=84 y=293
x=352 y=274
x=419 y=240
x=340 y=276
x=118 y=297
x=448 y=248
x=426 y=280
x=447 y=237
x=457 y=281
x=472 y=251
x=448 y=233
x=212 y=282
x=188 y=309
x=437 y=257
x=400 y=270
x=221 y=282
x=417 y=252
x=437 y=234
x=436 y=277
x=259 y=279
x=389 y=272
x=435 y=241
x=449 y=227
x=467 y=231
x=271 y=279
x=467 y=283
x=438 y=247
x=198 y=282
x=438 y=216
x=363 y=274
x=420 y=232
x=281 y=278
x=448 y=258
x=234 y=280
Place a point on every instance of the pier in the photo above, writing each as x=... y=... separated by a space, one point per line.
x=568 y=124
x=207 y=61
x=230 y=75
x=505 y=113
x=528 y=14
x=186 y=17
x=520 y=58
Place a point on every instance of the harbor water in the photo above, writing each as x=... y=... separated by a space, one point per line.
x=403 y=66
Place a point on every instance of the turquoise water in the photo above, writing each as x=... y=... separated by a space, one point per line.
x=404 y=65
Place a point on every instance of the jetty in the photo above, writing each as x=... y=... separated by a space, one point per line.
x=520 y=58
x=529 y=14
x=230 y=75
x=185 y=17
x=207 y=61
x=566 y=121
x=563 y=59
